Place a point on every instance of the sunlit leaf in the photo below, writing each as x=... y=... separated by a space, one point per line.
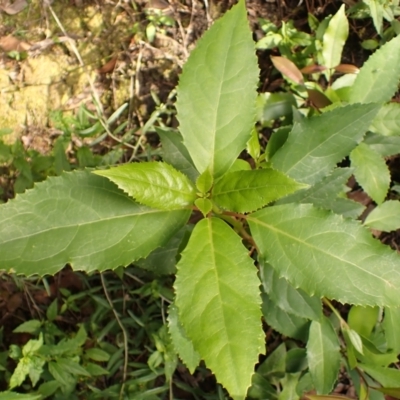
x=154 y=184
x=317 y=144
x=81 y=219
x=326 y=255
x=385 y=217
x=221 y=73
x=219 y=303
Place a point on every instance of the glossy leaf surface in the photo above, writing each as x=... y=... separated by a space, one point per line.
x=323 y=354
x=371 y=172
x=220 y=74
x=218 y=300
x=81 y=219
x=245 y=191
x=154 y=184
x=385 y=217
x=326 y=255
x=317 y=144
x=382 y=66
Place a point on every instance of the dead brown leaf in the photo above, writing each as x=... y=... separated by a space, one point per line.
x=11 y=43
x=14 y=8
x=108 y=66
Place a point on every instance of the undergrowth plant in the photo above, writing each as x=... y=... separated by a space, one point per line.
x=270 y=241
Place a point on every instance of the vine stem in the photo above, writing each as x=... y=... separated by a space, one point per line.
x=124 y=333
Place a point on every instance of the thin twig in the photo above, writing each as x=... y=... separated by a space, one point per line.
x=124 y=333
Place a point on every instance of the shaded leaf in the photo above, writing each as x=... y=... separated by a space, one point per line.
x=286 y=297
x=317 y=144
x=286 y=323
x=219 y=303
x=371 y=172
x=323 y=354
x=385 y=217
x=315 y=249
x=221 y=73
x=393 y=392
x=81 y=219
x=389 y=377
x=382 y=66
x=245 y=191
x=176 y=154
x=384 y=145
x=391 y=327
x=183 y=346
x=154 y=184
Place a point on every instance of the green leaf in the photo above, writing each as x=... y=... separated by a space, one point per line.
x=324 y=193
x=388 y=377
x=378 y=78
x=97 y=354
x=245 y=191
x=204 y=205
x=334 y=38
x=323 y=354
x=274 y=366
x=60 y=375
x=218 y=300
x=81 y=219
x=387 y=121
x=183 y=346
x=162 y=261
x=154 y=184
x=393 y=392
x=18 y=396
x=286 y=297
x=72 y=367
x=289 y=384
x=363 y=319
x=314 y=249
x=176 y=154
x=355 y=340
x=371 y=172
x=286 y=323
x=204 y=182
x=20 y=373
x=261 y=389
x=32 y=326
x=384 y=145
x=376 y=10
x=221 y=73
x=385 y=217
x=317 y=144
x=391 y=327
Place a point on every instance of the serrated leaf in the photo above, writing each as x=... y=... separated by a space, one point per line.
x=221 y=73
x=81 y=219
x=286 y=323
x=286 y=297
x=154 y=184
x=218 y=300
x=315 y=249
x=176 y=154
x=378 y=78
x=204 y=205
x=347 y=208
x=317 y=144
x=388 y=377
x=323 y=354
x=245 y=191
x=183 y=346
x=371 y=172
x=391 y=327
x=324 y=193
x=385 y=217
x=334 y=39
x=387 y=121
